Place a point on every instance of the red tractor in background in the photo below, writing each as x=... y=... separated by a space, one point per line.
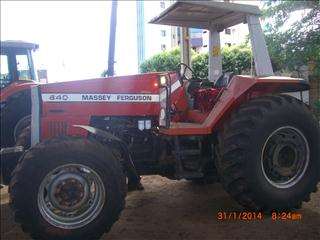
x=18 y=75
x=89 y=136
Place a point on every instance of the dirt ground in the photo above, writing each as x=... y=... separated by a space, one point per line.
x=181 y=210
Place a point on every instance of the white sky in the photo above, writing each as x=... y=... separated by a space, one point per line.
x=73 y=35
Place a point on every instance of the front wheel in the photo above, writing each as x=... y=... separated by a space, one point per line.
x=68 y=188
x=269 y=153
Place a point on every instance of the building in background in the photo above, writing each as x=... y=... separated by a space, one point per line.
x=230 y=36
x=196 y=39
x=158 y=37
x=234 y=35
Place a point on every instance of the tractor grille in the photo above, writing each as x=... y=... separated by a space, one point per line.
x=57 y=129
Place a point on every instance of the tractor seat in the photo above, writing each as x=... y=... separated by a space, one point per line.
x=192 y=87
x=223 y=80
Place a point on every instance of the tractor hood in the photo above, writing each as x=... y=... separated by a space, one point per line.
x=63 y=106
x=123 y=95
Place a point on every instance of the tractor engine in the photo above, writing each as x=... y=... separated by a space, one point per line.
x=139 y=135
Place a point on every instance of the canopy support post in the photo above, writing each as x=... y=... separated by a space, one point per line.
x=215 y=59
x=261 y=56
x=185 y=46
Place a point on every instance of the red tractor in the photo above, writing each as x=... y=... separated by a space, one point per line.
x=18 y=75
x=89 y=136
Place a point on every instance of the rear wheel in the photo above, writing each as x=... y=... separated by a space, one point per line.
x=69 y=188
x=17 y=108
x=269 y=153
x=15 y=118
x=10 y=161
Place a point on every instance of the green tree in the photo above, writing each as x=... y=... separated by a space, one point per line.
x=235 y=59
x=161 y=62
x=200 y=64
x=295 y=45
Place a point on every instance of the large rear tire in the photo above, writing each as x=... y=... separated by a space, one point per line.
x=16 y=108
x=67 y=188
x=269 y=153
x=10 y=161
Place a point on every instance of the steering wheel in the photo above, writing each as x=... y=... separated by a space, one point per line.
x=186 y=73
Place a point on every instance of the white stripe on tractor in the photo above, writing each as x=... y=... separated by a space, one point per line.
x=99 y=97
x=92 y=97
x=174 y=87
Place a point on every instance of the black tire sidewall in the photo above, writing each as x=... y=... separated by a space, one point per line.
x=266 y=193
x=17 y=107
x=45 y=161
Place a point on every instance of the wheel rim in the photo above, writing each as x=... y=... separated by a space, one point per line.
x=285 y=157
x=71 y=196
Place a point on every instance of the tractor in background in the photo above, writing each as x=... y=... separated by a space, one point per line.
x=18 y=75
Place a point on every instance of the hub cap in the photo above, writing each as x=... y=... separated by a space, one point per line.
x=71 y=196
x=285 y=157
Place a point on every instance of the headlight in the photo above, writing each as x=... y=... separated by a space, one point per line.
x=163 y=81
x=162 y=114
x=162 y=117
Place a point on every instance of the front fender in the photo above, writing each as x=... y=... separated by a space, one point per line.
x=99 y=132
x=128 y=164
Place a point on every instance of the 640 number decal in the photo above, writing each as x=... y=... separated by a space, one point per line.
x=58 y=97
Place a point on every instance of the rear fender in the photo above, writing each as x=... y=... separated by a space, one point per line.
x=244 y=88
x=15 y=88
x=278 y=85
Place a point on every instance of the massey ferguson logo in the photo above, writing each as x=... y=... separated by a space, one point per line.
x=96 y=97
x=89 y=97
x=135 y=98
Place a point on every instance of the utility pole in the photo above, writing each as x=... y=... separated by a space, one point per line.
x=140 y=32
x=112 y=38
